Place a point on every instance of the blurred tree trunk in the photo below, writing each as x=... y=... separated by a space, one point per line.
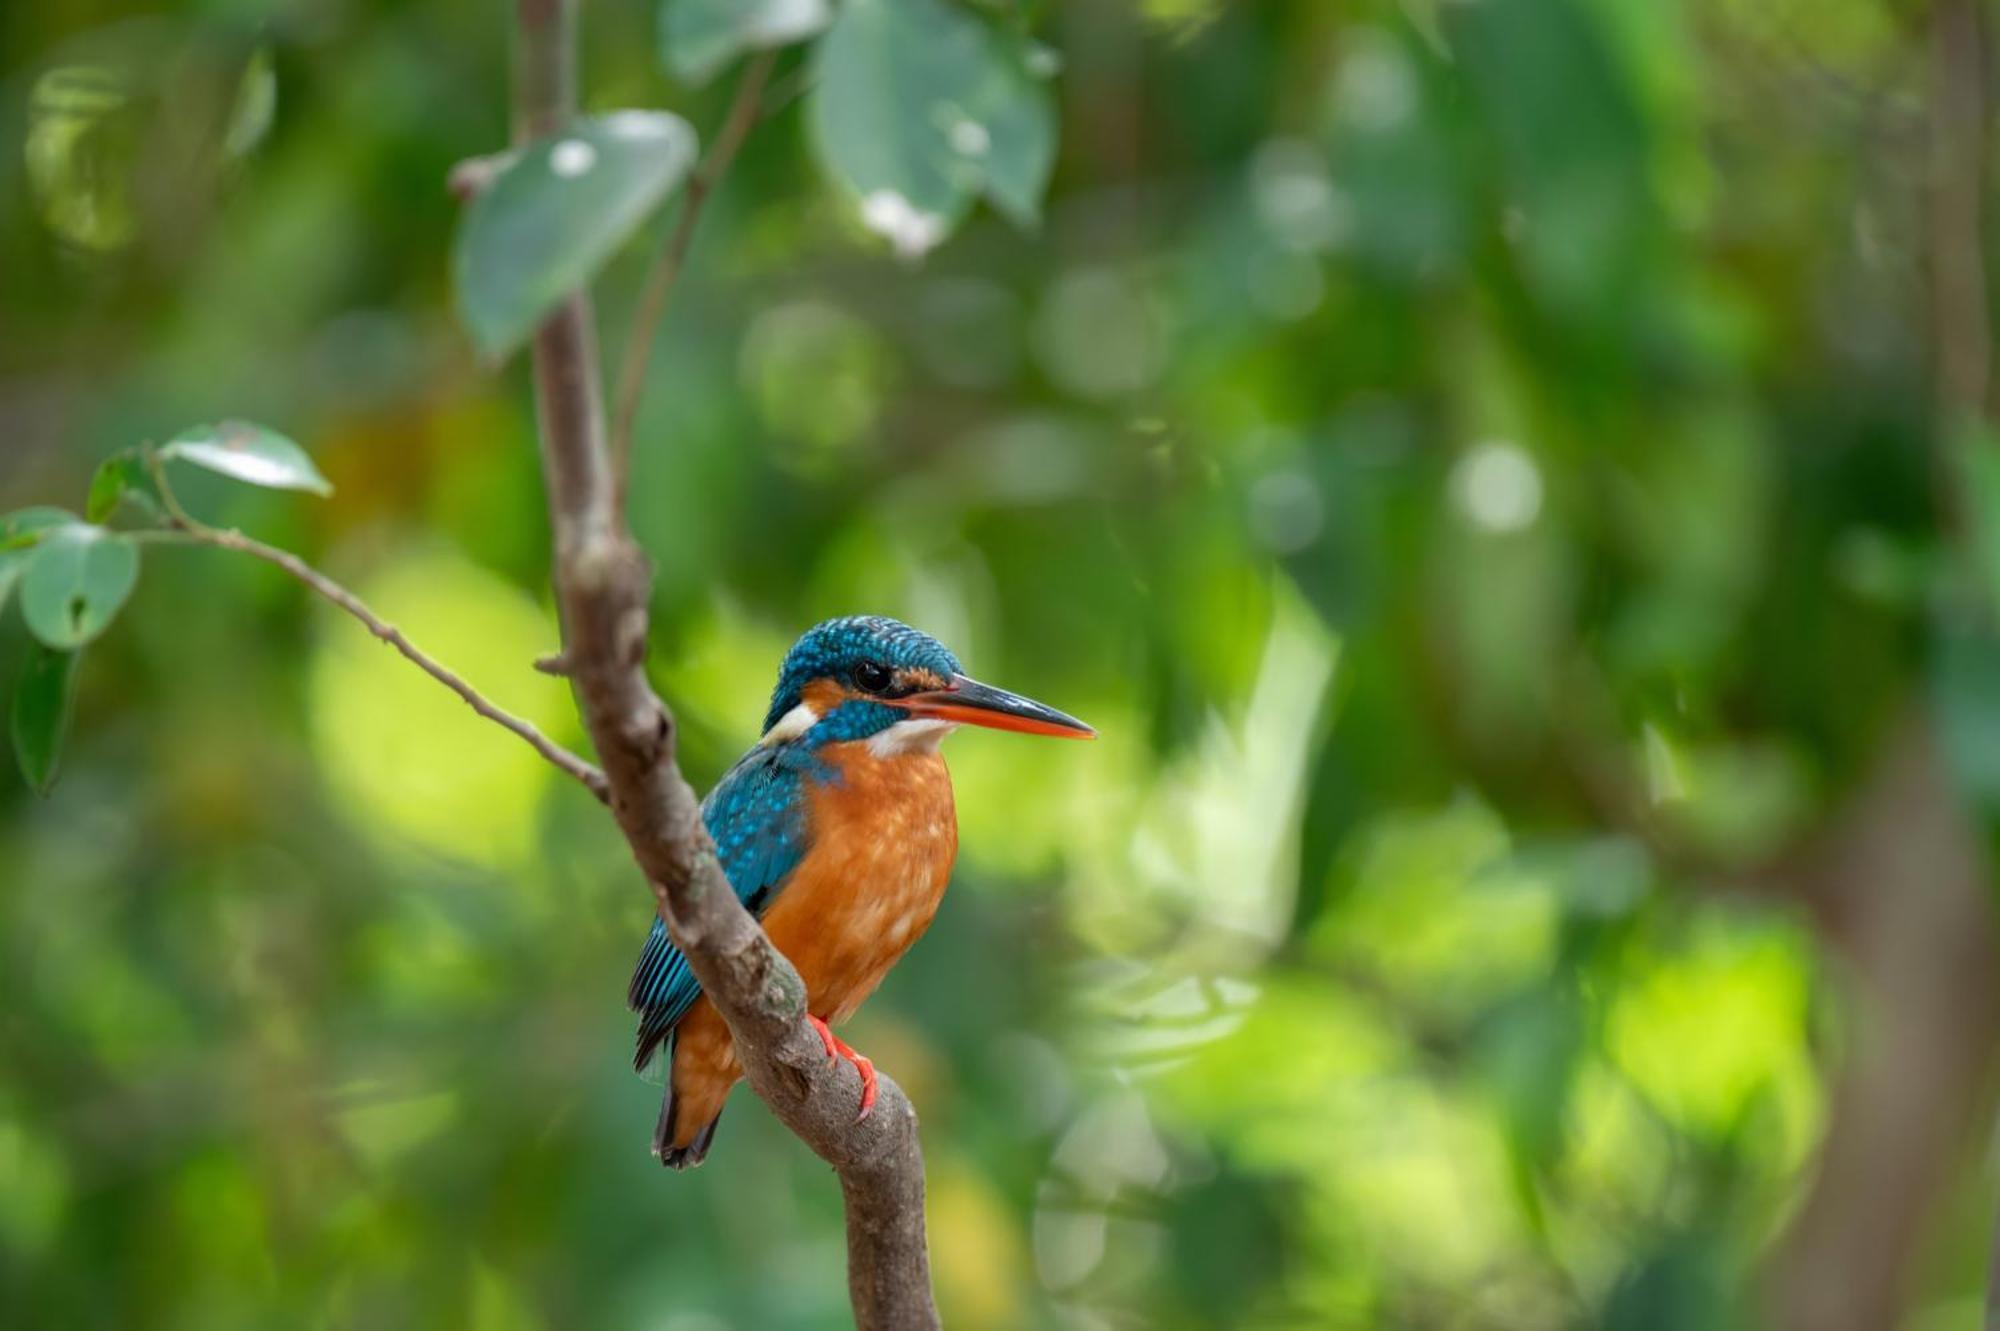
x=1906 y=886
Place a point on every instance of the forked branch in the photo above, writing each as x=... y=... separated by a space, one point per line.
x=201 y=533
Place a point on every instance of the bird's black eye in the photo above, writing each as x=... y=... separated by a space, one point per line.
x=873 y=676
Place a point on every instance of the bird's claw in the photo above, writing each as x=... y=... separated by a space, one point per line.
x=839 y=1048
x=826 y=1037
x=867 y=1070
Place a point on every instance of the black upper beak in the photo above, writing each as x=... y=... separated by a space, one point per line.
x=975 y=704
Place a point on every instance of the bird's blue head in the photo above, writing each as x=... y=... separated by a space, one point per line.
x=856 y=677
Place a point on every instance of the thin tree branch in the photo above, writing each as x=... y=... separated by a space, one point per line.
x=603 y=586
x=194 y=530
x=667 y=264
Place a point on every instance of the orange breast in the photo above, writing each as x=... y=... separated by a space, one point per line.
x=883 y=837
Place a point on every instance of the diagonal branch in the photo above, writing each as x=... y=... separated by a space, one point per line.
x=603 y=586
x=667 y=264
x=224 y=539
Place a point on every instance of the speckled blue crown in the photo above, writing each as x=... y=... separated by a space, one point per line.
x=832 y=650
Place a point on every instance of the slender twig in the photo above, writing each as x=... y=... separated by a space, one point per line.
x=186 y=527
x=603 y=585
x=667 y=264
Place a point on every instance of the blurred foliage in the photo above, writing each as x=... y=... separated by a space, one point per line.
x=1473 y=462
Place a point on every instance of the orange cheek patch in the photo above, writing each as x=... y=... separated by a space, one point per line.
x=823 y=695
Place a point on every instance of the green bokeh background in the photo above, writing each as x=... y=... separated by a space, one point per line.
x=1476 y=464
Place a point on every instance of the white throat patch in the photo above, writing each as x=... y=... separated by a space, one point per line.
x=919 y=734
x=792 y=725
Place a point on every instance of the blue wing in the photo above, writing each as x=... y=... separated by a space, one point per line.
x=757 y=816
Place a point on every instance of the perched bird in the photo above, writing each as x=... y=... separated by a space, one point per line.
x=837 y=831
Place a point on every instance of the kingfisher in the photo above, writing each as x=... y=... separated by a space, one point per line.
x=838 y=832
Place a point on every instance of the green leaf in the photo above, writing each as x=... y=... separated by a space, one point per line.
x=18 y=533
x=922 y=107
x=698 y=37
x=255 y=107
x=23 y=525
x=1965 y=697
x=247 y=452
x=122 y=476
x=76 y=578
x=1020 y=121
x=42 y=700
x=551 y=218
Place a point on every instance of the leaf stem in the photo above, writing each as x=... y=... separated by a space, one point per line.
x=161 y=536
x=672 y=257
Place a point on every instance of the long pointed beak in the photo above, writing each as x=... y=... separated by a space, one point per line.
x=975 y=704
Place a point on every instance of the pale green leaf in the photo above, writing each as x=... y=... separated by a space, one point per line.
x=77 y=576
x=553 y=216
x=698 y=37
x=18 y=533
x=1020 y=121
x=247 y=452
x=922 y=107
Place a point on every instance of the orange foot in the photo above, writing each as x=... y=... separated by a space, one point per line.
x=839 y=1048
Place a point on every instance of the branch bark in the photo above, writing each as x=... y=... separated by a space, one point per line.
x=603 y=587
